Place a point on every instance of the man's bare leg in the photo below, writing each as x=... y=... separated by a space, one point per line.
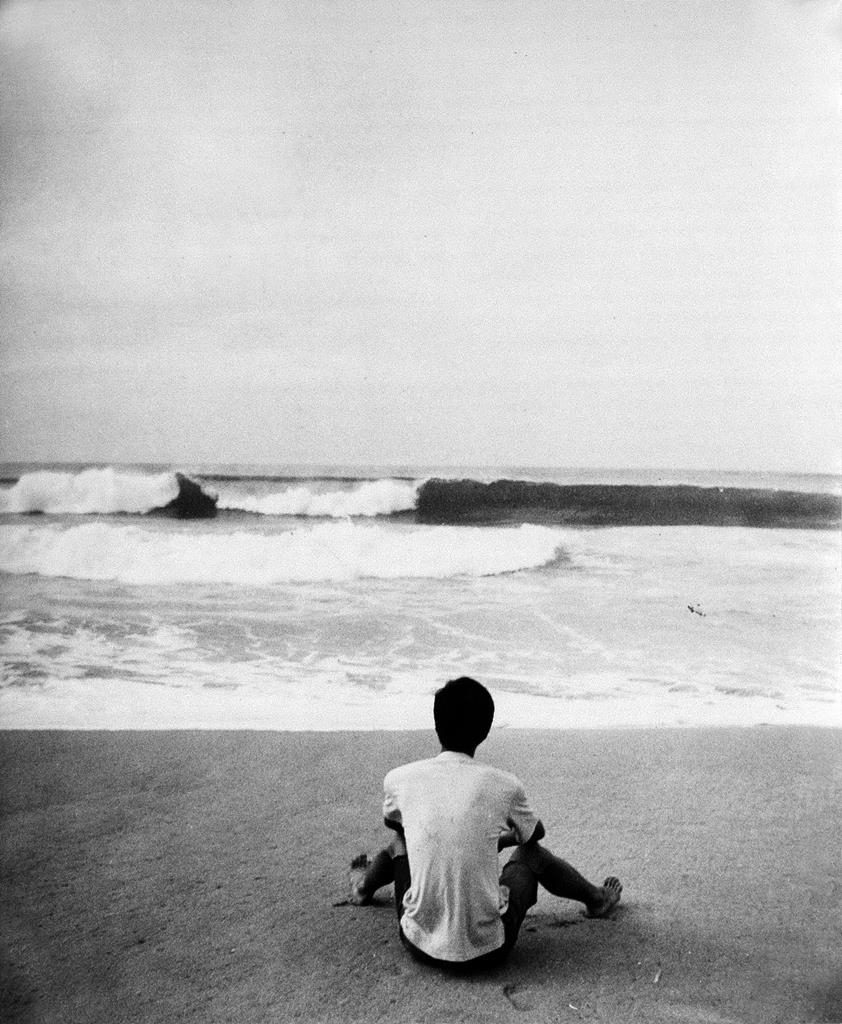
x=367 y=876
x=562 y=879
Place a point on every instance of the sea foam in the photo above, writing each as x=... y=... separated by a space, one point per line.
x=328 y=551
x=90 y=491
x=371 y=498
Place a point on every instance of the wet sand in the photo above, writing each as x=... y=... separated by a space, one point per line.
x=192 y=876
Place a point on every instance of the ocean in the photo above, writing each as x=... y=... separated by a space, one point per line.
x=334 y=597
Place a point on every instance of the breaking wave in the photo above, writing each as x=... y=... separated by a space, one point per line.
x=370 y=498
x=108 y=491
x=430 y=501
x=327 y=551
x=90 y=491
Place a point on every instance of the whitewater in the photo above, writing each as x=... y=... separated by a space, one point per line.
x=329 y=598
x=330 y=551
x=106 y=490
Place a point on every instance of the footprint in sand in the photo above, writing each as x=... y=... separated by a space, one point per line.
x=514 y=993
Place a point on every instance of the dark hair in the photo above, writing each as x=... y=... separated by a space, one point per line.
x=463 y=711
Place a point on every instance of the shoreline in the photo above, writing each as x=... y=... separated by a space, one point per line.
x=92 y=706
x=191 y=876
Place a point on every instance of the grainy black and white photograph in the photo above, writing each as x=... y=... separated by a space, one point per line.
x=420 y=505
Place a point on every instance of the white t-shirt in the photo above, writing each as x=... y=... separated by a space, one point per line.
x=453 y=809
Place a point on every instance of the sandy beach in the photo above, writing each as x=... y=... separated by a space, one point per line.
x=192 y=876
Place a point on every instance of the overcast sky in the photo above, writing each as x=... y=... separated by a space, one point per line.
x=594 y=233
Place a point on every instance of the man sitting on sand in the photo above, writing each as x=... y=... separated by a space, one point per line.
x=451 y=815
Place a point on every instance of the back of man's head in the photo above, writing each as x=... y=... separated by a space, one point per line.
x=463 y=711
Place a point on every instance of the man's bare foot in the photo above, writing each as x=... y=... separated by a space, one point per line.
x=611 y=889
x=359 y=866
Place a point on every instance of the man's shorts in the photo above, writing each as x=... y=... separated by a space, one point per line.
x=522 y=883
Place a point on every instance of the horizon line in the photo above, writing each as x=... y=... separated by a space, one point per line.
x=198 y=464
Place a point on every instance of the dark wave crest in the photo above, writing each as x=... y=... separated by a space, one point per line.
x=191 y=502
x=469 y=501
